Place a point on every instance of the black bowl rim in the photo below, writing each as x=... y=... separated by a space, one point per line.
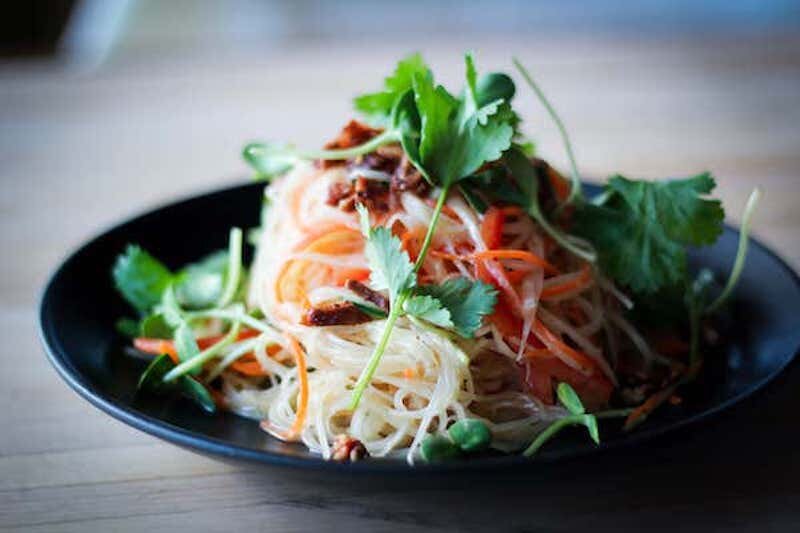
x=229 y=451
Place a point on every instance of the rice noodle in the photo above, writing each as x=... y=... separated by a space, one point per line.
x=422 y=383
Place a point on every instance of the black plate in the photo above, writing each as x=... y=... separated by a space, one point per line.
x=79 y=307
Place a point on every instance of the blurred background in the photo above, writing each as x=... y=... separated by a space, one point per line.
x=110 y=106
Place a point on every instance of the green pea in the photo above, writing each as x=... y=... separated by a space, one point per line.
x=471 y=435
x=438 y=448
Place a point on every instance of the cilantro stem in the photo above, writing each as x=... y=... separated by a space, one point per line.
x=388 y=136
x=586 y=253
x=375 y=358
x=741 y=252
x=426 y=243
x=575 y=190
x=576 y=419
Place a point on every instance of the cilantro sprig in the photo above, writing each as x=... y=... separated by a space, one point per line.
x=458 y=304
x=641 y=229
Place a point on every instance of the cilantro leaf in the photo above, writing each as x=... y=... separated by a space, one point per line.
x=467 y=302
x=140 y=278
x=391 y=268
x=429 y=309
x=641 y=229
x=458 y=136
x=379 y=105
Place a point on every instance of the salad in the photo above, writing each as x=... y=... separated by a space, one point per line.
x=425 y=285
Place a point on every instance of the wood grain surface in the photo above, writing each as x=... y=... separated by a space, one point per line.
x=80 y=150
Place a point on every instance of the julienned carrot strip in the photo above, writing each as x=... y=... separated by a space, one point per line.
x=639 y=414
x=570 y=356
x=302 y=395
x=156 y=347
x=580 y=282
x=492 y=227
x=511 y=210
x=515 y=276
x=166 y=346
x=317 y=233
x=248 y=365
x=521 y=255
x=412 y=240
x=560 y=186
x=298 y=276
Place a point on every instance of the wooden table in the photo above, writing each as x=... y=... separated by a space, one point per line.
x=79 y=150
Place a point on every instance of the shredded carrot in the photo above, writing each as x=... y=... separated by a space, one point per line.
x=298 y=276
x=559 y=184
x=512 y=210
x=492 y=227
x=521 y=255
x=248 y=365
x=578 y=283
x=157 y=347
x=411 y=241
x=302 y=395
x=316 y=233
x=570 y=356
x=409 y=373
x=517 y=275
x=166 y=346
x=641 y=413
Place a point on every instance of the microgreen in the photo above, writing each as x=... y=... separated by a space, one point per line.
x=577 y=417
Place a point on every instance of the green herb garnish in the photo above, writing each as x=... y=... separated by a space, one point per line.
x=140 y=278
x=641 y=229
x=577 y=417
x=152 y=381
x=448 y=306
